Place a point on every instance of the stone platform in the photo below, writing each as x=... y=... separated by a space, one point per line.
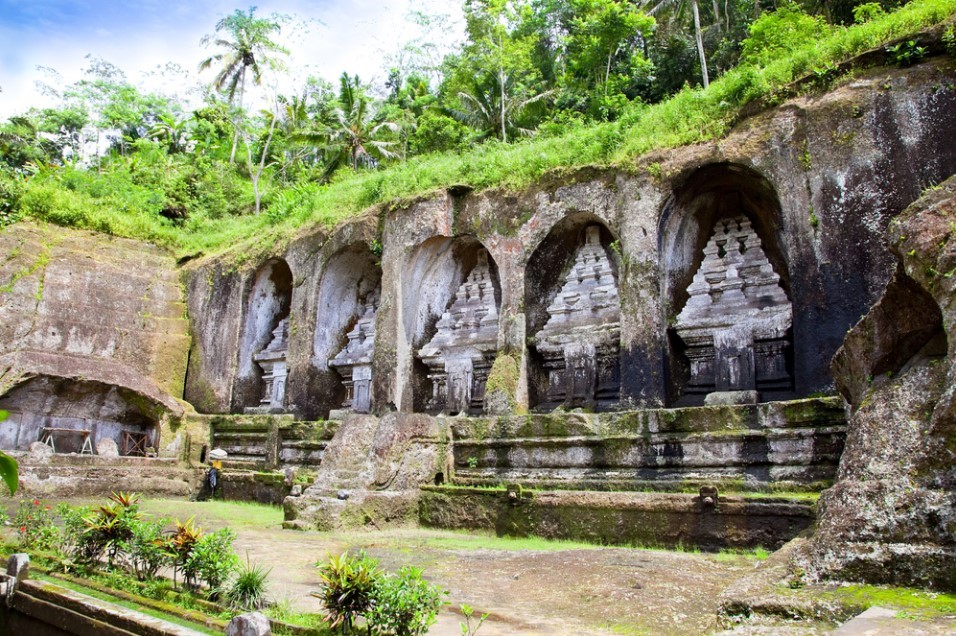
x=759 y=447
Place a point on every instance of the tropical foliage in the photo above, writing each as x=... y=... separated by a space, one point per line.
x=535 y=85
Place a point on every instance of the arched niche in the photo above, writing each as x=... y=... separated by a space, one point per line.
x=66 y=412
x=451 y=297
x=726 y=288
x=261 y=374
x=344 y=337
x=572 y=309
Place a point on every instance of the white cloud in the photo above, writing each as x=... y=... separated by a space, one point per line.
x=355 y=36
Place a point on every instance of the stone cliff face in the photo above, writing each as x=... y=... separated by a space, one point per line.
x=818 y=178
x=891 y=517
x=93 y=332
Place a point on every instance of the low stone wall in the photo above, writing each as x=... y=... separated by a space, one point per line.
x=65 y=476
x=265 y=488
x=642 y=519
x=795 y=443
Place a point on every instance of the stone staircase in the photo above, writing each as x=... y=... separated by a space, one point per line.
x=370 y=473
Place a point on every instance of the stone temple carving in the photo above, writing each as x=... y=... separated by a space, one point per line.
x=580 y=343
x=272 y=359
x=354 y=362
x=460 y=354
x=736 y=322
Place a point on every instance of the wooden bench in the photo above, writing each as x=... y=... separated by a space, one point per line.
x=48 y=433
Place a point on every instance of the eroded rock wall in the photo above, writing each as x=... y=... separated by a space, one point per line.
x=88 y=295
x=891 y=516
x=93 y=342
x=819 y=177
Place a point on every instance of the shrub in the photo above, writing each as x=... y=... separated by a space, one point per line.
x=147 y=547
x=348 y=583
x=248 y=591
x=404 y=604
x=779 y=32
x=212 y=560
x=108 y=527
x=36 y=529
x=181 y=544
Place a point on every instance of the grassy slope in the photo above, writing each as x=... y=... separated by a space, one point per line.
x=692 y=115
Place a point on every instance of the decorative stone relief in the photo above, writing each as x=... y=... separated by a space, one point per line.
x=580 y=343
x=460 y=354
x=272 y=359
x=737 y=320
x=354 y=362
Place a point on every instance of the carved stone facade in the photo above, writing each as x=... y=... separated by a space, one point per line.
x=354 y=362
x=580 y=343
x=736 y=323
x=460 y=354
x=272 y=359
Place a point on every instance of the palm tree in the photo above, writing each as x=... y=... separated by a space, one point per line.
x=353 y=139
x=247 y=47
x=490 y=107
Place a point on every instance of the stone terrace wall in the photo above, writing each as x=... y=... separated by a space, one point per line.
x=820 y=178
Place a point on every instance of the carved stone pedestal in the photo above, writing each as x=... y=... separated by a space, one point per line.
x=354 y=362
x=272 y=359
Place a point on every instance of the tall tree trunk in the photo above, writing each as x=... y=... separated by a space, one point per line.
x=716 y=15
x=235 y=135
x=700 y=45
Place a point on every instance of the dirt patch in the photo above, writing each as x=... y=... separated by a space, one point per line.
x=527 y=586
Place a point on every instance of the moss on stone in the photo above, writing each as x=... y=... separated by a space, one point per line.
x=501 y=390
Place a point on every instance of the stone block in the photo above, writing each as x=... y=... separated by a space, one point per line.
x=107 y=448
x=730 y=398
x=252 y=624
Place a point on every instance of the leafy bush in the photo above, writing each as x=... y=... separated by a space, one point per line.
x=248 y=591
x=404 y=604
x=348 y=583
x=780 y=32
x=35 y=526
x=147 y=547
x=212 y=560
x=181 y=543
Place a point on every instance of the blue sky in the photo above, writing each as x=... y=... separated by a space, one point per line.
x=139 y=36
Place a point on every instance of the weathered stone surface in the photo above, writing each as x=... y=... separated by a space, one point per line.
x=379 y=463
x=67 y=476
x=107 y=448
x=354 y=362
x=252 y=624
x=891 y=514
x=796 y=443
x=460 y=354
x=40 y=452
x=737 y=317
x=618 y=518
x=91 y=296
x=818 y=178
x=274 y=370
x=107 y=398
x=580 y=342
